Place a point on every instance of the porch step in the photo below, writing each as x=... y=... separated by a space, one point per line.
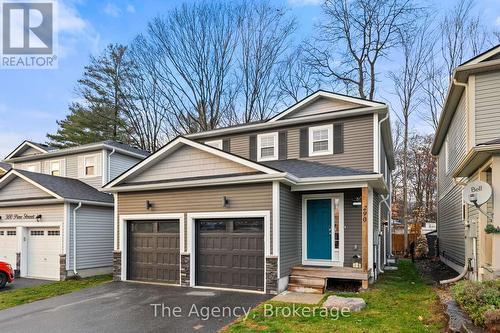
x=299 y=288
x=330 y=272
x=308 y=281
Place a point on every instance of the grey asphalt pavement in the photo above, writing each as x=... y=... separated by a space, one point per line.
x=24 y=283
x=131 y=307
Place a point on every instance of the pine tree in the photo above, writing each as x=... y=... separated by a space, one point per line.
x=100 y=114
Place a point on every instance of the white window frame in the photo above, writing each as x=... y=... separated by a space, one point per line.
x=274 y=135
x=214 y=143
x=85 y=166
x=51 y=168
x=446 y=155
x=329 y=151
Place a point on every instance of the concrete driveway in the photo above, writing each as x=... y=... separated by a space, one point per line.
x=131 y=307
x=24 y=283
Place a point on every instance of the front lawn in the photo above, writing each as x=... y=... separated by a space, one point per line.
x=399 y=302
x=15 y=297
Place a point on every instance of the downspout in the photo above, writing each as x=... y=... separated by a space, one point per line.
x=384 y=200
x=109 y=164
x=75 y=272
x=460 y=183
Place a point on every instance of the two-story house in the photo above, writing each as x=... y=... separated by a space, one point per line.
x=467 y=144
x=292 y=201
x=54 y=222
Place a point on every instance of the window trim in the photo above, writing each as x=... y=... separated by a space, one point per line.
x=329 y=151
x=274 y=135
x=94 y=156
x=217 y=144
x=51 y=169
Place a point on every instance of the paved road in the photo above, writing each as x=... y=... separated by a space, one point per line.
x=126 y=307
x=24 y=283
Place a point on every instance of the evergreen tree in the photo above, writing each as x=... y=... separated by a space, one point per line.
x=100 y=115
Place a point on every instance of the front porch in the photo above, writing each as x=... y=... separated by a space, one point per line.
x=313 y=279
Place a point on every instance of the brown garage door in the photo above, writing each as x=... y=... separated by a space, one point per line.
x=153 y=251
x=230 y=253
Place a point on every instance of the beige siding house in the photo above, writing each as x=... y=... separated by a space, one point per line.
x=259 y=206
x=54 y=222
x=467 y=144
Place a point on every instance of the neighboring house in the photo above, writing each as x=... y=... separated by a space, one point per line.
x=467 y=144
x=4 y=168
x=259 y=206
x=42 y=196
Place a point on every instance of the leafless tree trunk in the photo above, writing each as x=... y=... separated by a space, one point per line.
x=265 y=32
x=355 y=35
x=193 y=50
x=295 y=79
x=407 y=85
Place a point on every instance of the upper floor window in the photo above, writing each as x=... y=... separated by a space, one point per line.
x=89 y=166
x=321 y=140
x=214 y=143
x=55 y=168
x=267 y=146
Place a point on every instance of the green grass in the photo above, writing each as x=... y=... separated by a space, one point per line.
x=15 y=297
x=399 y=302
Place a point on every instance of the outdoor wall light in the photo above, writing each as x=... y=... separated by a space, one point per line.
x=38 y=217
x=149 y=205
x=356 y=200
x=225 y=202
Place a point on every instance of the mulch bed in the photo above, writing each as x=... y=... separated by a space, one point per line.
x=433 y=270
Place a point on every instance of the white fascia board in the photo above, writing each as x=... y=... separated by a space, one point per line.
x=37 y=202
x=25 y=143
x=483 y=56
x=183 y=141
x=197 y=183
x=90 y=202
x=324 y=94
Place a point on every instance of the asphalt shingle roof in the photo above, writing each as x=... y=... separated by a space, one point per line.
x=5 y=166
x=68 y=188
x=309 y=169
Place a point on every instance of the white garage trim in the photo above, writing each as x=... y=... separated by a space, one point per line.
x=191 y=236
x=146 y=217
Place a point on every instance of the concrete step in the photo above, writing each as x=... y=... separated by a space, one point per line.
x=391 y=261
x=305 y=289
x=308 y=281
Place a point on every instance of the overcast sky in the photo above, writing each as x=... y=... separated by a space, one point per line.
x=32 y=100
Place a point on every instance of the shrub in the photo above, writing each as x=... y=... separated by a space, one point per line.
x=478 y=298
x=492 y=320
x=421 y=248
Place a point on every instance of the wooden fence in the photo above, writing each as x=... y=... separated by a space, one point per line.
x=398 y=242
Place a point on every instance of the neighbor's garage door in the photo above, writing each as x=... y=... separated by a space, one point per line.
x=44 y=247
x=153 y=251
x=8 y=246
x=230 y=253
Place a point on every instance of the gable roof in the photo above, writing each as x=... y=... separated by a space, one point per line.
x=172 y=146
x=51 y=151
x=29 y=144
x=328 y=95
x=478 y=64
x=59 y=187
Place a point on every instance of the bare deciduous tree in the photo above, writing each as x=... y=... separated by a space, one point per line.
x=407 y=85
x=295 y=78
x=194 y=49
x=265 y=32
x=353 y=38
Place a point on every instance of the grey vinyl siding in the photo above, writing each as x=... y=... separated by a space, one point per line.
x=352 y=227
x=20 y=189
x=290 y=230
x=119 y=163
x=245 y=197
x=94 y=237
x=451 y=226
x=450 y=223
x=358 y=143
x=487 y=101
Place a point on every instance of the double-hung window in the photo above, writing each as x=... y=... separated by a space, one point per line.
x=55 y=168
x=267 y=147
x=89 y=166
x=321 y=140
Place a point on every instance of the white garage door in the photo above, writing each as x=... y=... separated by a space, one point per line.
x=44 y=246
x=8 y=246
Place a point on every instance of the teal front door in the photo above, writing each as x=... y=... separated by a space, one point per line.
x=319 y=232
